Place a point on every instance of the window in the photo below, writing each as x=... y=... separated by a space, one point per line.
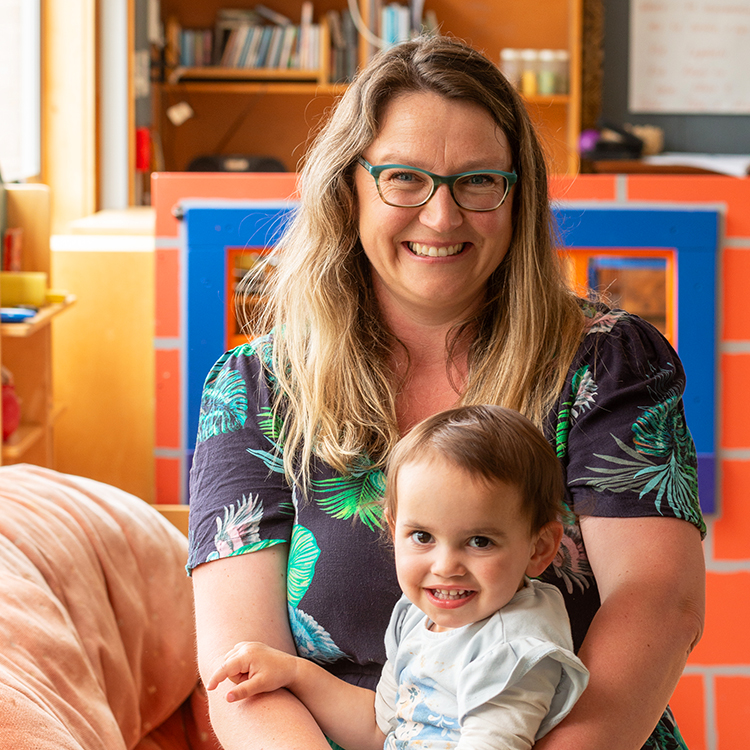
x=20 y=137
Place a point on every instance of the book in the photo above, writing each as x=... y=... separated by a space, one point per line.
x=286 y=58
x=252 y=52
x=242 y=48
x=228 y=20
x=272 y=16
x=274 y=52
x=264 y=46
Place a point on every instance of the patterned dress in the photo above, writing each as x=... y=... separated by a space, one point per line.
x=618 y=429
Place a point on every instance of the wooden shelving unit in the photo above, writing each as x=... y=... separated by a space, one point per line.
x=26 y=348
x=273 y=112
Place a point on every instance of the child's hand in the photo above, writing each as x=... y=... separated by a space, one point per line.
x=254 y=668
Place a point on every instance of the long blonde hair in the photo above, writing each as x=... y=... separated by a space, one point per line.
x=331 y=350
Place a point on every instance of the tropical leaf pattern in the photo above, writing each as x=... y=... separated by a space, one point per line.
x=662 y=463
x=303 y=554
x=223 y=406
x=238 y=529
x=311 y=640
x=358 y=495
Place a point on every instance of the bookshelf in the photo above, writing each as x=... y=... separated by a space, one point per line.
x=272 y=112
x=26 y=348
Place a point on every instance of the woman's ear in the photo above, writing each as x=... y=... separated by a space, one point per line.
x=544 y=548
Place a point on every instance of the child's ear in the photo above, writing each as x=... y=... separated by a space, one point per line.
x=388 y=518
x=545 y=548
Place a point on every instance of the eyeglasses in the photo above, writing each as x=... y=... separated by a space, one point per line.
x=409 y=187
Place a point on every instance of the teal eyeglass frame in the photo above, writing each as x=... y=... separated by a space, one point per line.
x=437 y=180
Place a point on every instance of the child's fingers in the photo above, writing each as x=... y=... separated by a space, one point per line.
x=234 y=668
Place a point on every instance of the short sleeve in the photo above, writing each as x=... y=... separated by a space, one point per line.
x=385 y=700
x=240 y=500
x=620 y=428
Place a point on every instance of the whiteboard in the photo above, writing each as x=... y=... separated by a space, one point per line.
x=690 y=56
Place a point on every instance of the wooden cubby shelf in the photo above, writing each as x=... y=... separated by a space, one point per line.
x=225 y=122
x=40 y=320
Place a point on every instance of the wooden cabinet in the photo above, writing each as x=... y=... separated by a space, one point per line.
x=26 y=348
x=271 y=113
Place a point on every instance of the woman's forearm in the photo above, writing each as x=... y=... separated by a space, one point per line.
x=634 y=667
x=651 y=579
x=273 y=721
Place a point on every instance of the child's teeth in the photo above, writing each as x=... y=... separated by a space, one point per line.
x=444 y=594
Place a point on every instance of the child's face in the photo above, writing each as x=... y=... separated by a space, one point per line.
x=462 y=545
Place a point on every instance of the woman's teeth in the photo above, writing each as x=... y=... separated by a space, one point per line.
x=435 y=252
x=450 y=594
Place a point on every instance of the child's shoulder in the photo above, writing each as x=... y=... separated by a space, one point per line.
x=538 y=611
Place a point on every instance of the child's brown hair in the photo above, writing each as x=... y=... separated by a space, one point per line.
x=491 y=442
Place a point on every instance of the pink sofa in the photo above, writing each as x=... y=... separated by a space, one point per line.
x=97 y=644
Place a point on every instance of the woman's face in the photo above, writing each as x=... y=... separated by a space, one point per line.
x=446 y=137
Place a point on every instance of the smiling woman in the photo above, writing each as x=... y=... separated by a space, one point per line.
x=385 y=310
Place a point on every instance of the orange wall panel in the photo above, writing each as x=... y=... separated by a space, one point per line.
x=583 y=187
x=731 y=530
x=689 y=707
x=733 y=713
x=736 y=281
x=732 y=191
x=735 y=405
x=168 y=480
x=167 y=398
x=725 y=637
x=167 y=261
x=169 y=188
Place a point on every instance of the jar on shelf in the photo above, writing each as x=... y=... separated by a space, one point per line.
x=547 y=73
x=530 y=62
x=562 y=76
x=511 y=66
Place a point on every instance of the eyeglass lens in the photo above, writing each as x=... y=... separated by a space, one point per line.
x=403 y=187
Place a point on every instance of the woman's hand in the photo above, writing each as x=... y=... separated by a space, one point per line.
x=254 y=668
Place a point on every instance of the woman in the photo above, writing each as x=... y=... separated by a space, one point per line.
x=400 y=293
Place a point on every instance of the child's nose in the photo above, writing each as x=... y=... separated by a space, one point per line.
x=448 y=563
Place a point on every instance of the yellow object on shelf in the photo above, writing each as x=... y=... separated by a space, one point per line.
x=23 y=288
x=55 y=295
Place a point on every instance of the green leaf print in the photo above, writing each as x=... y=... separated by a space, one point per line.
x=582 y=393
x=660 y=432
x=303 y=554
x=357 y=495
x=224 y=404
x=271 y=429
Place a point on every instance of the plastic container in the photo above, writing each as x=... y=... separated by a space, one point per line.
x=547 y=73
x=511 y=65
x=23 y=288
x=530 y=63
x=562 y=75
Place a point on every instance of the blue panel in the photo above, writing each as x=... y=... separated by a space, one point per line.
x=211 y=227
x=209 y=230
x=694 y=235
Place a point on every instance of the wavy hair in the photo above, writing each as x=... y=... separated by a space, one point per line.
x=331 y=349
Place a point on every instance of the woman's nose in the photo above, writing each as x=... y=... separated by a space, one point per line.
x=441 y=213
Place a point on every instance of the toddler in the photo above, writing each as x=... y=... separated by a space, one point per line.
x=479 y=655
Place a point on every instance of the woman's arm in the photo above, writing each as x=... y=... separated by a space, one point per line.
x=346 y=713
x=239 y=599
x=651 y=578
